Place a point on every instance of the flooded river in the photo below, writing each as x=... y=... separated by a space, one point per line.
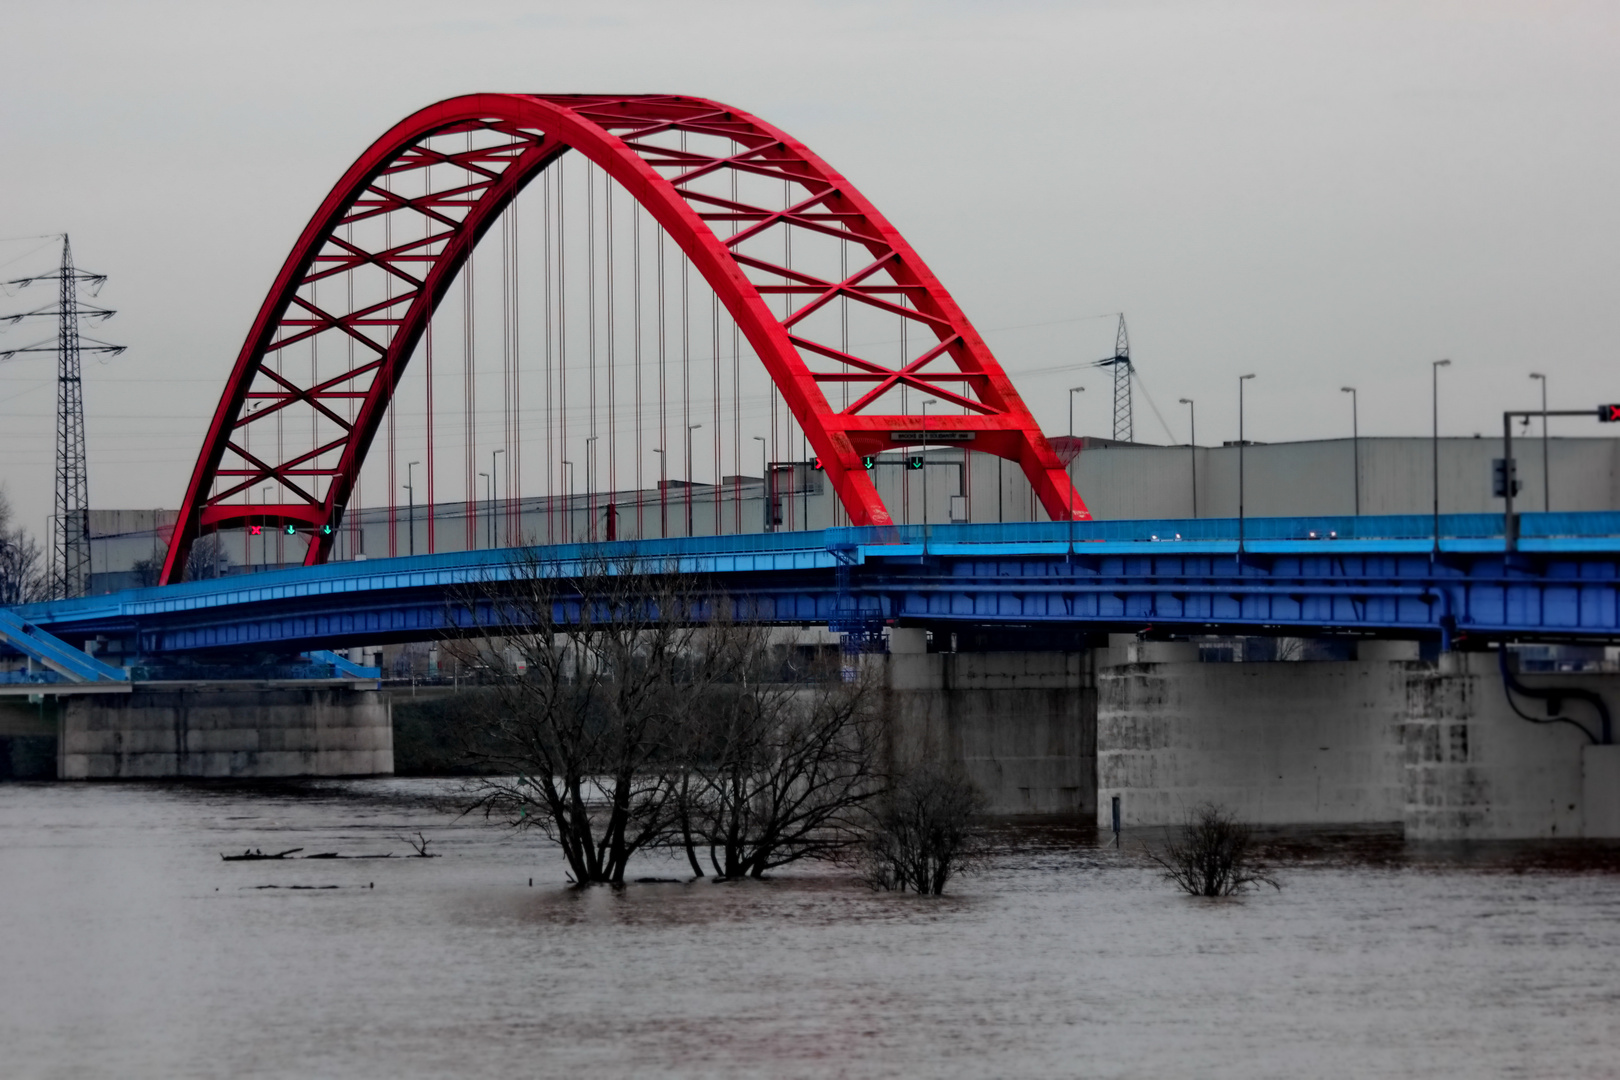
x=132 y=950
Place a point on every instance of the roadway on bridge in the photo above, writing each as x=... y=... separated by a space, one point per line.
x=1381 y=576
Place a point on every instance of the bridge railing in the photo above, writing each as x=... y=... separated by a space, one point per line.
x=1345 y=527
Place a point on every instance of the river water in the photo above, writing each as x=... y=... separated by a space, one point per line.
x=131 y=950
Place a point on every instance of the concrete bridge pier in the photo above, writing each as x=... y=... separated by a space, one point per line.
x=1436 y=748
x=1022 y=724
x=224 y=731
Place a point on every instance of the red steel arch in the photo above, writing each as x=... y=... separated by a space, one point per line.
x=520 y=135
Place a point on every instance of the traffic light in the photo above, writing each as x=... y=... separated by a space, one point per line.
x=869 y=461
x=292 y=530
x=915 y=461
x=1503 y=471
x=816 y=464
x=1609 y=414
x=326 y=530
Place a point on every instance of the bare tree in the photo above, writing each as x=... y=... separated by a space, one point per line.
x=1211 y=856
x=148 y=571
x=926 y=828
x=777 y=758
x=22 y=570
x=206 y=559
x=586 y=683
x=1291 y=649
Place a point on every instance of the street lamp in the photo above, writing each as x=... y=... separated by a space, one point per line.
x=568 y=519
x=1192 y=448
x=1546 y=475
x=590 y=486
x=925 y=405
x=1355 y=442
x=264 y=544
x=689 y=429
x=489 y=489
x=1241 y=380
x=1435 y=367
x=410 y=490
x=764 y=485
x=663 y=494
x=1073 y=390
x=504 y=487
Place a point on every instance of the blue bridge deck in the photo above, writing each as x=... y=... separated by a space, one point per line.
x=1383 y=576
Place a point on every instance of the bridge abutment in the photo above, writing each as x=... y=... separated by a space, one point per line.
x=216 y=733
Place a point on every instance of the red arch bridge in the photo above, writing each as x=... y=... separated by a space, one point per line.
x=697 y=270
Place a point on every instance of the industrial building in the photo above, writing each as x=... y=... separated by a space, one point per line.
x=1117 y=480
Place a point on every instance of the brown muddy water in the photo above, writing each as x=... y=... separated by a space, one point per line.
x=131 y=950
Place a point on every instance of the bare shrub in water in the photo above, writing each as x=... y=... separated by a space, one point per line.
x=589 y=672
x=1211 y=855
x=925 y=829
x=776 y=758
x=627 y=709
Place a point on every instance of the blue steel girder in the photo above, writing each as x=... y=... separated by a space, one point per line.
x=1562 y=584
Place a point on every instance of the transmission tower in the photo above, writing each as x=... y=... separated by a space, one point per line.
x=1121 y=363
x=70 y=547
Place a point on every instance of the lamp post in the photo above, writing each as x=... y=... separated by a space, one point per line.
x=663 y=494
x=1355 y=443
x=1073 y=390
x=1192 y=448
x=1546 y=474
x=1434 y=368
x=590 y=487
x=264 y=544
x=489 y=491
x=689 y=429
x=568 y=518
x=764 y=486
x=1241 y=380
x=925 y=406
x=493 y=531
x=410 y=490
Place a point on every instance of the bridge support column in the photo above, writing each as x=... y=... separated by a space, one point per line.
x=1384 y=739
x=1276 y=743
x=218 y=733
x=1475 y=770
x=1022 y=724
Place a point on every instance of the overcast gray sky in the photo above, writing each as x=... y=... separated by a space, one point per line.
x=1321 y=193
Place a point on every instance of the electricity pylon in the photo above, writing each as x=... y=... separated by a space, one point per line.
x=70 y=547
x=1124 y=430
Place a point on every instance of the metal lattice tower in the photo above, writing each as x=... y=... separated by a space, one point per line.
x=70 y=547
x=1124 y=430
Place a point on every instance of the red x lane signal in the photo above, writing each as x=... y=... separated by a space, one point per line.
x=1609 y=414
x=254 y=530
